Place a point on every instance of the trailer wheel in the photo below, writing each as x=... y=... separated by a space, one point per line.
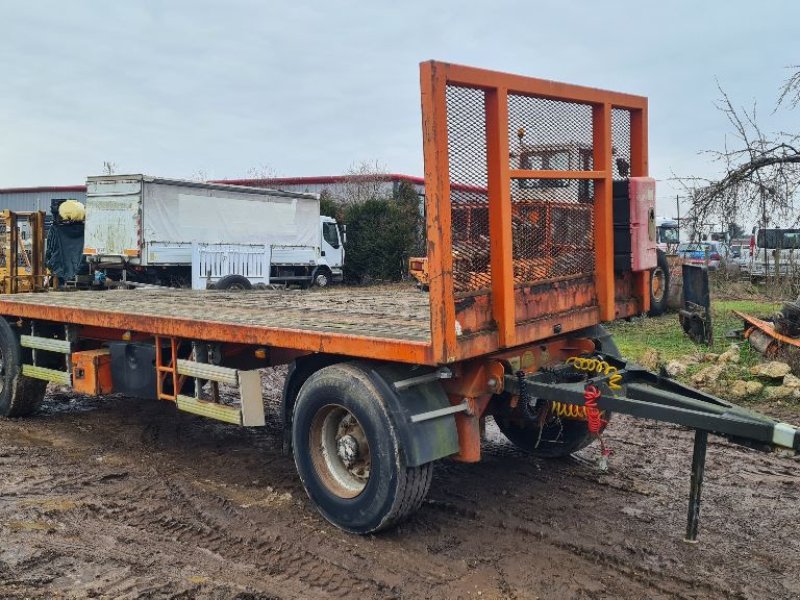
x=659 y=286
x=348 y=454
x=233 y=282
x=20 y=396
x=555 y=438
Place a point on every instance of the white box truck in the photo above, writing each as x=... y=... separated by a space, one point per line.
x=144 y=227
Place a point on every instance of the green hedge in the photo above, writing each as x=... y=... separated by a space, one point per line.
x=382 y=233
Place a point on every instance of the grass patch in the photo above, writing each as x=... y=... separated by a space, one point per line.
x=665 y=335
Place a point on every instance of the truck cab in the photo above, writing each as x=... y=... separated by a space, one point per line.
x=332 y=239
x=668 y=232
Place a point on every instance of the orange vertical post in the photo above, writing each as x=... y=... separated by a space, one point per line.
x=437 y=207
x=500 y=230
x=603 y=211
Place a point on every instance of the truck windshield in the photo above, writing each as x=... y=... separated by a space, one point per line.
x=668 y=235
x=778 y=238
x=544 y=160
x=551 y=160
x=696 y=247
x=330 y=234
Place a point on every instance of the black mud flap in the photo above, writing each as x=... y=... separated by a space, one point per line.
x=695 y=315
x=423 y=440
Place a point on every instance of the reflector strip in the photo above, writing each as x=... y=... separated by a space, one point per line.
x=783 y=435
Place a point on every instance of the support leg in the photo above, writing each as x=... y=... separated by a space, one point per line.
x=698 y=469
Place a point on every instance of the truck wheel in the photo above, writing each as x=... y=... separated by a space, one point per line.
x=659 y=286
x=321 y=278
x=348 y=454
x=556 y=437
x=233 y=282
x=20 y=396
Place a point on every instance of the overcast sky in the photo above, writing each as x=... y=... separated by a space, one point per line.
x=310 y=88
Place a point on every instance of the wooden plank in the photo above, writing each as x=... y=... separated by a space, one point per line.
x=199 y=370
x=48 y=344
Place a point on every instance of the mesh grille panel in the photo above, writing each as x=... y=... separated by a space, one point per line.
x=466 y=141
x=549 y=135
x=621 y=141
x=552 y=219
x=553 y=233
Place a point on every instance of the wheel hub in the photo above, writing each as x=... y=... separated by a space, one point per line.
x=347 y=449
x=340 y=451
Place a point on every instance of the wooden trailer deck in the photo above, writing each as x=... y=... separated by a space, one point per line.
x=375 y=322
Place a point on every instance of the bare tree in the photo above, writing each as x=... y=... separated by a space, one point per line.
x=199 y=175
x=109 y=168
x=790 y=92
x=264 y=171
x=761 y=170
x=364 y=180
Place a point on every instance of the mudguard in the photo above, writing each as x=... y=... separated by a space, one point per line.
x=425 y=441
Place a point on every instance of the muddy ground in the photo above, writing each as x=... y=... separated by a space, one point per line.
x=120 y=498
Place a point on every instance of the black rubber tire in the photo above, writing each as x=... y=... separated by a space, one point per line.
x=658 y=306
x=321 y=277
x=233 y=282
x=572 y=435
x=20 y=396
x=393 y=490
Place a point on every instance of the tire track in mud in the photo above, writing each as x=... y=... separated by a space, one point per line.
x=178 y=515
x=671 y=586
x=225 y=529
x=655 y=558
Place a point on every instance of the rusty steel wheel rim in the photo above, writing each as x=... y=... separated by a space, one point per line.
x=340 y=451
x=657 y=281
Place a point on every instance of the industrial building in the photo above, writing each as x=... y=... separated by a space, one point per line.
x=338 y=186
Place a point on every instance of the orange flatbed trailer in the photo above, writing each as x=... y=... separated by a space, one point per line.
x=525 y=260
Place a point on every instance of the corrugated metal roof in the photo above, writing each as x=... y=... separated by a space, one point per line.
x=38 y=198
